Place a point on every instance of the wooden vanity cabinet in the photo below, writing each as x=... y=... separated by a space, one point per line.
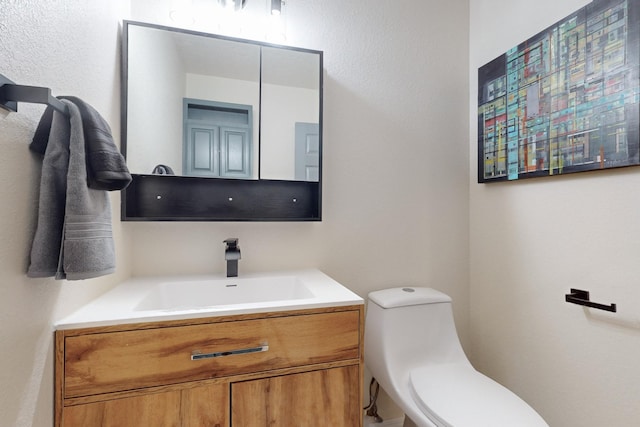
x=293 y=368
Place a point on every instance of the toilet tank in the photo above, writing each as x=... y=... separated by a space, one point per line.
x=409 y=327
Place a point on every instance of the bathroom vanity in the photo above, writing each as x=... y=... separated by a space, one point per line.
x=288 y=363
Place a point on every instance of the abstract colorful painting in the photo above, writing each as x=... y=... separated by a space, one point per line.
x=566 y=100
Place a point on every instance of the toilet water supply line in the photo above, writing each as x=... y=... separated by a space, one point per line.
x=372 y=407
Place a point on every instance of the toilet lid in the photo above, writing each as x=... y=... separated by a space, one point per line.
x=456 y=395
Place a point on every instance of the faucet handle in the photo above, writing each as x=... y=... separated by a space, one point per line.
x=232 y=242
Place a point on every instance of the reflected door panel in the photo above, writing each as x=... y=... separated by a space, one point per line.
x=201 y=154
x=235 y=153
x=307 y=152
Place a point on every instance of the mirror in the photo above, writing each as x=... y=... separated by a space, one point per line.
x=207 y=111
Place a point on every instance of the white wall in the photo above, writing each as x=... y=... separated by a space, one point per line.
x=395 y=185
x=71 y=47
x=532 y=241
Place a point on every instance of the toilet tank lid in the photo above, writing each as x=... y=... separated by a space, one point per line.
x=408 y=295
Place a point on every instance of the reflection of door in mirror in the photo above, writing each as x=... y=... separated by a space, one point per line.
x=217 y=139
x=307 y=152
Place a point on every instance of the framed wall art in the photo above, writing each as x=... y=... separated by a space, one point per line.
x=565 y=100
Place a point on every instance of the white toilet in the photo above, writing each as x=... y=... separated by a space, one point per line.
x=413 y=351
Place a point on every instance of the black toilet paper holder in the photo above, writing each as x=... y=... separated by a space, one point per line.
x=580 y=297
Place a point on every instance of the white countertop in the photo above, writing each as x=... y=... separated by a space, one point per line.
x=120 y=305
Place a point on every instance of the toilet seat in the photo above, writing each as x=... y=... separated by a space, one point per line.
x=456 y=395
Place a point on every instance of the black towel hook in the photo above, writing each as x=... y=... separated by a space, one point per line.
x=581 y=297
x=11 y=94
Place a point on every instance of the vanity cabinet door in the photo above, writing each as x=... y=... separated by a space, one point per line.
x=327 y=397
x=205 y=406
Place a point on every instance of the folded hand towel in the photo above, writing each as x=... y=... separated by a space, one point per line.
x=73 y=238
x=47 y=242
x=87 y=249
x=106 y=166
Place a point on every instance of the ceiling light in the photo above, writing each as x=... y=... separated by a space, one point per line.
x=232 y=4
x=276 y=7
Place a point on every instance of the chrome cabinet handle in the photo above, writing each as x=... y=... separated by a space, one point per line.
x=197 y=355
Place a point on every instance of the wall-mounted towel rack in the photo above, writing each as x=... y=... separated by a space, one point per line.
x=581 y=297
x=11 y=94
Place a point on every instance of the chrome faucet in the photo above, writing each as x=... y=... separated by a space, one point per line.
x=232 y=255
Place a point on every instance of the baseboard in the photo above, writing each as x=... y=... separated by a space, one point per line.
x=395 y=422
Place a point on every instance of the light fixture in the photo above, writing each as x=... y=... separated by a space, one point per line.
x=232 y=4
x=276 y=7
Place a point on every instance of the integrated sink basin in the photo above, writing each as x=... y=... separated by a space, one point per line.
x=194 y=294
x=149 y=299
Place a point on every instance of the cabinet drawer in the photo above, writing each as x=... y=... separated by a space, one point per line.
x=116 y=361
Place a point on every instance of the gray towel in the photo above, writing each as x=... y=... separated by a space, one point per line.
x=73 y=238
x=106 y=166
x=47 y=243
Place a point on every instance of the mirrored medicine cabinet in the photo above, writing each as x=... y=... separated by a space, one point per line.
x=216 y=128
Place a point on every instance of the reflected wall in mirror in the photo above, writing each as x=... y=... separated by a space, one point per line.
x=219 y=109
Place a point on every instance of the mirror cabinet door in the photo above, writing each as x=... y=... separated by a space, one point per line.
x=167 y=68
x=290 y=101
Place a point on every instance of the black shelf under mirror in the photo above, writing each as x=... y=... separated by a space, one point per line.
x=179 y=198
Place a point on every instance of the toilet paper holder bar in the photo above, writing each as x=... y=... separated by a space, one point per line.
x=580 y=297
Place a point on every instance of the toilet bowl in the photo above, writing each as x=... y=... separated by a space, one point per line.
x=412 y=350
